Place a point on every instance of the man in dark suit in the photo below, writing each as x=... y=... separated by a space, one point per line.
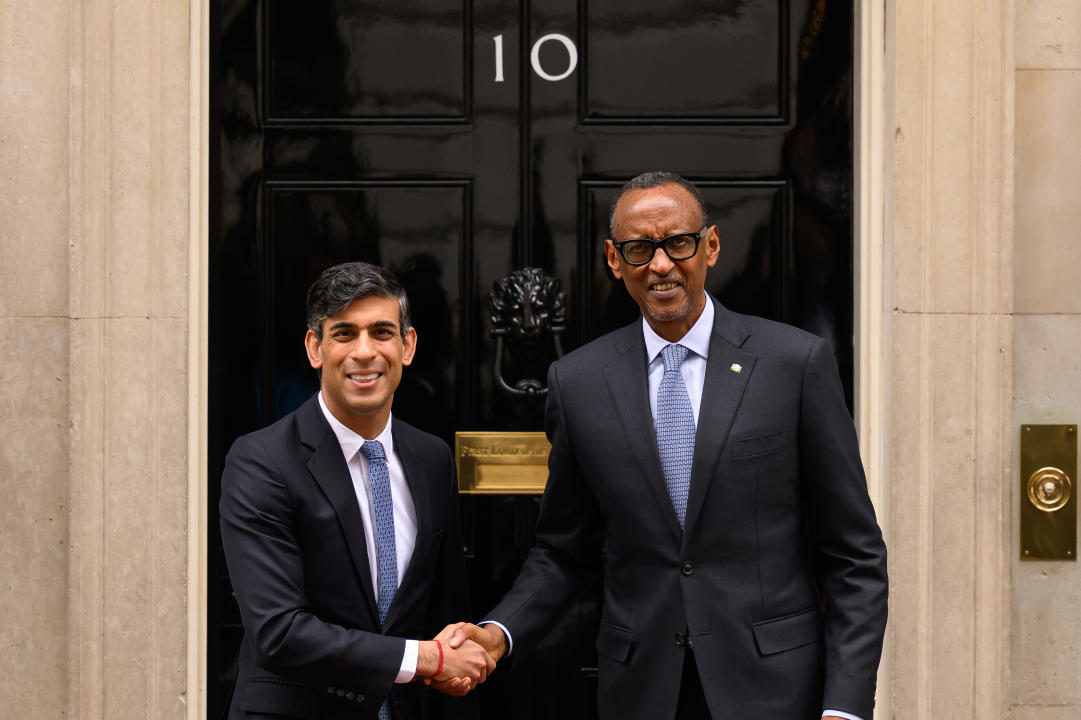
x=341 y=529
x=705 y=463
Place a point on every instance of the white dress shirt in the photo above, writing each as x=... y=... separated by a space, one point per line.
x=405 y=514
x=693 y=370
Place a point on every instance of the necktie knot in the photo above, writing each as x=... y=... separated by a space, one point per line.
x=373 y=450
x=673 y=356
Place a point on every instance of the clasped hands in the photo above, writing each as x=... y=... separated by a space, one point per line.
x=470 y=653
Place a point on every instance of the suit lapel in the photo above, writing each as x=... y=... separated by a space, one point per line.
x=629 y=386
x=727 y=371
x=328 y=469
x=417 y=480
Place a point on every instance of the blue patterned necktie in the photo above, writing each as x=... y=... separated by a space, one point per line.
x=675 y=430
x=386 y=553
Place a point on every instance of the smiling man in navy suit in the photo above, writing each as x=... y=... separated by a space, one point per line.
x=341 y=530
x=704 y=462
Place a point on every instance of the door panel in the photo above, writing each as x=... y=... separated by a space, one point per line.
x=752 y=271
x=420 y=228
x=425 y=136
x=338 y=62
x=640 y=55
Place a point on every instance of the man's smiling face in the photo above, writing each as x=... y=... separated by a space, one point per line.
x=361 y=356
x=670 y=294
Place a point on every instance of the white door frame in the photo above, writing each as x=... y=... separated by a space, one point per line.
x=872 y=107
x=198 y=353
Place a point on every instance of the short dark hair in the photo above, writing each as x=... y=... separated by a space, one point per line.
x=652 y=179
x=340 y=285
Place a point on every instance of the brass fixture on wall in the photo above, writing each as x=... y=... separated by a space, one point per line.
x=1048 y=503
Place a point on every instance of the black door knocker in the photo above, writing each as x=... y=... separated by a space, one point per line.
x=526 y=308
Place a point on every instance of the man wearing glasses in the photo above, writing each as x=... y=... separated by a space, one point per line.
x=705 y=463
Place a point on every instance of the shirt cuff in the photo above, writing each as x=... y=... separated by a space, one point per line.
x=408 y=670
x=838 y=713
x=506 y=632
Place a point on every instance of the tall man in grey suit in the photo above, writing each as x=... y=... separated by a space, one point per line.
x=341 y=530
x=705 y=463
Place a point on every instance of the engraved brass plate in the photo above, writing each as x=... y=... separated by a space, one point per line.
x=1048 y=500
x=502 y=463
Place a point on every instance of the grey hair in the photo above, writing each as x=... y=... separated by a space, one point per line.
x=652 y=179
x=341 y=284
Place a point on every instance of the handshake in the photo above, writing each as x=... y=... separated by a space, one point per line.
x=460 y=657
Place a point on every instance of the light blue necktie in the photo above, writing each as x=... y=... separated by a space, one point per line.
x=386 y=553
x=675 y=430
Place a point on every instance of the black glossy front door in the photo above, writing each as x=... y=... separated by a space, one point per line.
x=457 y=141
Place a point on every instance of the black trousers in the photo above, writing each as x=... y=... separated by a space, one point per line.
x=692 y=700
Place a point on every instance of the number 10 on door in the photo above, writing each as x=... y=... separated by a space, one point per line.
x=534 y=57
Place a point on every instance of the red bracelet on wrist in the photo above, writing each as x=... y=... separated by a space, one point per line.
x=440 y=668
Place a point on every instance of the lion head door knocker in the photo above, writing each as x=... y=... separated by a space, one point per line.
x=527 y=314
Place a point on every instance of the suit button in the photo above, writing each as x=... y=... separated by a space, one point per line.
x=340 y=693
x=360 y=698
x=680 y=639
x=688 y=569
x=330 y=690
x=349 y=695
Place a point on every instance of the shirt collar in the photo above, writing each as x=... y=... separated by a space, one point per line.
x=696 y=340
x=350 y=441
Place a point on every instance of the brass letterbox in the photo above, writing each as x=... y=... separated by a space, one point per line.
x=498 y=463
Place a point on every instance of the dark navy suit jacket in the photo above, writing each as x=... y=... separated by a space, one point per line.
x=296 y=552
x=777 y=583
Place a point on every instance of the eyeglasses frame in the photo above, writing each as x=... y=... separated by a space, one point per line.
x=698 y=237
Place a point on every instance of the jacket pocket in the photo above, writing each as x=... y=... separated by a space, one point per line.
x=614 y=642
x=744 y=447
x=274 y=697
x=788 y=632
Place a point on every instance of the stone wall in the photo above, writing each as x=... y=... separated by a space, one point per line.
x=34 y=356
x=949 y=293
x=94 y=120
x=1046 y=639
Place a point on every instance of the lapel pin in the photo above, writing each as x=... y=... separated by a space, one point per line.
x=736 y=368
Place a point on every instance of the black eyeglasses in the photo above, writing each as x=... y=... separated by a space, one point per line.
x=681 y=246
